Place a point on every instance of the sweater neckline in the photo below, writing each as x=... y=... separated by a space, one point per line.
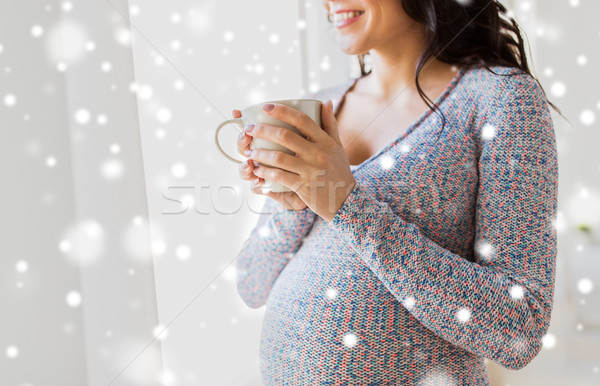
x=449 y=88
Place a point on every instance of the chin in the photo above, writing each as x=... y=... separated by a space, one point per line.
x=353 y=49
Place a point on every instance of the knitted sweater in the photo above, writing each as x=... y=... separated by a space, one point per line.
x=442 y=255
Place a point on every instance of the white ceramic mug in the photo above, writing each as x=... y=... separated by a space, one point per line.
x=255 y=114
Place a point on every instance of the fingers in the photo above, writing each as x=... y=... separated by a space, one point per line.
x=281 y=136
x=243 y=142
x=277 y=159
x=236 y=113
x=296 y=118
x=245 y=171
x=280 y=176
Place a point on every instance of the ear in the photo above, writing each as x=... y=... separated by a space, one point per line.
x=329 y=122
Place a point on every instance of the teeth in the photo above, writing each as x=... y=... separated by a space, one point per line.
x=346 y=15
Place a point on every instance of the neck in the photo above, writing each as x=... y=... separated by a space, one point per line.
x=394 y=66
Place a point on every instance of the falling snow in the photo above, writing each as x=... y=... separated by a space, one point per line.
x=585 y=286
x=12 y=352
x=386 y=162
x=485 y=250
x=548 y=341
x=516 y=292
x=73 y=299
x=183 y=252
x=264 y=231
x=488 y=131
x=587 y=117
x=463 y=315
x=10 y=100
x=409 y=302
x=332 y=293
x=350 y=340
x=82 y=116
x=558 y=89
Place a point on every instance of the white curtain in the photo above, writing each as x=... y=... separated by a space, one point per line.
x=78 y=290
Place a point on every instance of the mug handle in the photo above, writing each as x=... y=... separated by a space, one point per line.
x=236 y=122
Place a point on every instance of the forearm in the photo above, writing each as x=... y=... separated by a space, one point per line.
x=273 y=241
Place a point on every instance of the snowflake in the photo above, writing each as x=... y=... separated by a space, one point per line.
x=331 y=293
x=183 y=252
x=516 y=292
x=409 y=302
x=179 y=170
x=582 y=60
x=112 y=169
x=22 y=266
x=558 y=89
x=37 y=31
x=463 y=315
x=386 y=162
x=73 y=299
x=548 y=341
x=82 y=116
x=12 y=352
x=160 y=332
x=158 y=246
x=587 y=117
x=585 y=286
x=163 y=115
x=350 y=340
x=488 y=131
x=274 y=38
x=228 y=36
x=264 y=231
x=10 y=100
x=51 y=162
x=485 y=250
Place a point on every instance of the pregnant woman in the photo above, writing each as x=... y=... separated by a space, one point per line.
x=419 y=240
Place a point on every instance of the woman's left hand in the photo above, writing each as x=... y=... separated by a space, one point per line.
x=320 y=172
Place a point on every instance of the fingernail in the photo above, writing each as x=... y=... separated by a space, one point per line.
x=247 y=153
x=256 y=181
x=245 y=164
x=242 y=135
x=249 y=127
x=268 y=107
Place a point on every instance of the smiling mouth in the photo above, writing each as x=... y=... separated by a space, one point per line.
x=343 y=18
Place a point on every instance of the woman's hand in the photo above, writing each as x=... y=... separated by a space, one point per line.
x=289 y=200
x=319 y=172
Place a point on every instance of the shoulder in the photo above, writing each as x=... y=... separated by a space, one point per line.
x=506 y=97
x=503 y=83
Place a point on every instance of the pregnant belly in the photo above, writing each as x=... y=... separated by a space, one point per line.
x=333 y=320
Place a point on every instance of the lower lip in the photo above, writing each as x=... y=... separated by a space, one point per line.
x=344 y=23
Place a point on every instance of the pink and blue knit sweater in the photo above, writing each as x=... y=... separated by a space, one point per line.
x=442 y=255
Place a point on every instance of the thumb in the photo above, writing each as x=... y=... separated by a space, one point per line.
x=329 y=122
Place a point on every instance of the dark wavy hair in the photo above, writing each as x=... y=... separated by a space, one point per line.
x=465 y=33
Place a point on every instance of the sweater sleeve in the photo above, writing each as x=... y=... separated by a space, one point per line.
x=273 y=241
x=499 y=306
x=276 y=237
